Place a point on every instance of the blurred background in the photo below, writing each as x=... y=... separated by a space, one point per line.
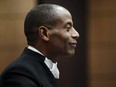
x=94 y=64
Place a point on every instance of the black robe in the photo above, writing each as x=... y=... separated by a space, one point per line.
x=29 y=70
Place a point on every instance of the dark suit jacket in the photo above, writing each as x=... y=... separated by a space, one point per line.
x=29 y=70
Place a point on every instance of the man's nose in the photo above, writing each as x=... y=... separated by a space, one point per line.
x=75 y=34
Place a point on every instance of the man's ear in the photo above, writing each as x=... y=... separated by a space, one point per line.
x=43 y=32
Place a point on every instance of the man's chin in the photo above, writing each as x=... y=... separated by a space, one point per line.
x=67 y=54
x=70 y=54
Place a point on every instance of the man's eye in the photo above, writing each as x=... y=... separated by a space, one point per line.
x=68 y=28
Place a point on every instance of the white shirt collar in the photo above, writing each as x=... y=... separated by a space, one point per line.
x=52 y=66
x=34 y=49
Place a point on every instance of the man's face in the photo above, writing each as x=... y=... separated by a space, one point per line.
x=62 y=42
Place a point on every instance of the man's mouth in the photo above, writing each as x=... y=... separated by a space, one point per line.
x=73 y=44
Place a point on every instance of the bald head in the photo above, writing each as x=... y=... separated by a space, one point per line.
x=42 y=15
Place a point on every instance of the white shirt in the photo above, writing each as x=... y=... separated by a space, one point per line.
x=52 y=66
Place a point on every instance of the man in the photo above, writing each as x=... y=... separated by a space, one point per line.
x=50 y=36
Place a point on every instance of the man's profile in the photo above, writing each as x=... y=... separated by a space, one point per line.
x=50 y=36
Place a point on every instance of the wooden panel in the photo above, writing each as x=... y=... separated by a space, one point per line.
x=102 y=43
x=12 y=39
x=102 y=5
x=102 y=29
x=16 y=6
x=102 y=60
x=103 y=83
x=11 y=31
